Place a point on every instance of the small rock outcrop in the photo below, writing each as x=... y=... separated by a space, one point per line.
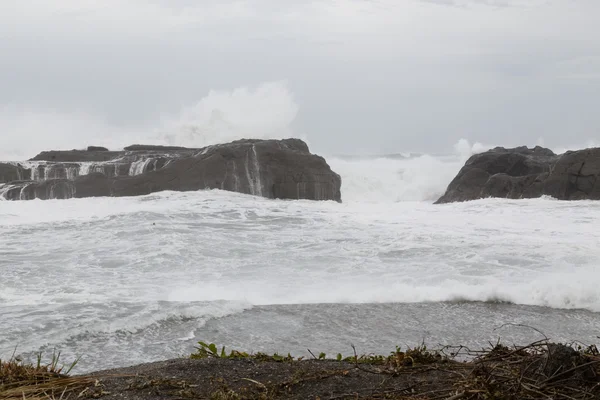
x=527 y=173
x=283 y=169
x=144 y=147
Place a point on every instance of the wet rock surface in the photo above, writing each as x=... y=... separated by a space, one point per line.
x=527 y=173
x=282 y=169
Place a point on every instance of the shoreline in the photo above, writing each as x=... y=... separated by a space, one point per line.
x=540 y=370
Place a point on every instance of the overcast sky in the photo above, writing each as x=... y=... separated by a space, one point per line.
x=350 y=76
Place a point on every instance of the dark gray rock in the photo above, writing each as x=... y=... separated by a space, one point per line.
x=55 y=171
x=50 y=189
x=77 y=156
x=563 y=362
x=96 y=148
x=145 y=147
x=268 y=168
x=47 y=170
x=282 y=169
x=12 y=172
x=13 y=192
x=93 y=185
x=527 y=173
x=559 y=358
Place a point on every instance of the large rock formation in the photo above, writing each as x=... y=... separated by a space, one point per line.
x=283 y=169
x=11 y=172
x=527 y=173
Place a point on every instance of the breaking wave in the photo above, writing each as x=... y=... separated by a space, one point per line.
x=421 y=178
x=558 y=289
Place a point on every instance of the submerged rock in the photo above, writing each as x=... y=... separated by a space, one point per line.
x=527 y=173
x=282 y=169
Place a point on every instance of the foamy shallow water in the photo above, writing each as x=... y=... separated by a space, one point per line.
x=128 y=280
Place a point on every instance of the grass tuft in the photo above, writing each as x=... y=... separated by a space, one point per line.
x=540 y=370
x=23 y=381
x=418 y=355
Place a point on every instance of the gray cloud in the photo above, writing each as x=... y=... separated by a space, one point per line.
x=359 y=76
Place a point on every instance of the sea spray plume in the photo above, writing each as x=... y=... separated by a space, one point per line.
x=465 y=149
x=263 y=112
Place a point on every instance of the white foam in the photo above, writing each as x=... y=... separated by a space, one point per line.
x=257 y=179
x=252 y=168
x=163 y=253
x=170 y=261
x=85 y=167
x=566 y=286
x=139 y=167
x=422 y=178
x=244 y=248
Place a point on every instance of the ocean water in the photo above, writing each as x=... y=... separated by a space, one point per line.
x=120 y=281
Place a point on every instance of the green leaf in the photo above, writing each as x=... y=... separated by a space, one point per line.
x=339 y=357
x=213 y=348
x=322 y=356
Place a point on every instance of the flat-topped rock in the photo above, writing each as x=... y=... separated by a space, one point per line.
x=144 y=147
x=527 y=173
x=283 y=169
x=96 y=148
x=77 y=155
x=102 y=154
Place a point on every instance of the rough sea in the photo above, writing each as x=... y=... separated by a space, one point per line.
x=121 y=281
